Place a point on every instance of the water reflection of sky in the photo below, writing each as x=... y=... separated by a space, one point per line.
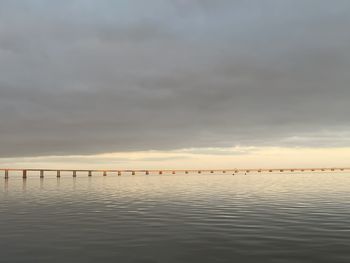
x=282 y=187
x=172 y=218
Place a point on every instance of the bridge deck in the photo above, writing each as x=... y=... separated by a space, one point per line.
x=24 y=172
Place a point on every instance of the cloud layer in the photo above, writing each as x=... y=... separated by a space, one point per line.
x=85 y=77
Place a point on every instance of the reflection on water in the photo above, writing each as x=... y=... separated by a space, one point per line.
x=176 y=218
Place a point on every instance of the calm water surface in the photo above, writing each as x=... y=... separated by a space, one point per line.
x=176 y=218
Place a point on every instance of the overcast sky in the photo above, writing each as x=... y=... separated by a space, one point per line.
x=82 y=77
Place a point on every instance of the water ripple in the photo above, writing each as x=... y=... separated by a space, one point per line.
x=177 y=218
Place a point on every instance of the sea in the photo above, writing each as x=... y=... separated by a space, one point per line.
x=185 y=218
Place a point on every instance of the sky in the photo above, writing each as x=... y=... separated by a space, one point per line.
x=174 y=83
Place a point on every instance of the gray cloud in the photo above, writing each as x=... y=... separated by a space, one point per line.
x=83 y=77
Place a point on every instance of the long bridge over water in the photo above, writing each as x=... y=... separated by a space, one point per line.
x=89 y=172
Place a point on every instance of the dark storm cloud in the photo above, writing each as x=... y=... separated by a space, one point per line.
x=83 y=77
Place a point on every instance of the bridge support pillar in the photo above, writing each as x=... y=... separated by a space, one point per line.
x=119 y=173
x=41 y=173
x=74 y=173
x=90 y=173
x=160 y=172
x=24 y=174
x=58 y=174
x=6 y=174
x=104 y=173
x=133 y=173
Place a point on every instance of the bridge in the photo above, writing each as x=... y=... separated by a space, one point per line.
x=26 y=172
